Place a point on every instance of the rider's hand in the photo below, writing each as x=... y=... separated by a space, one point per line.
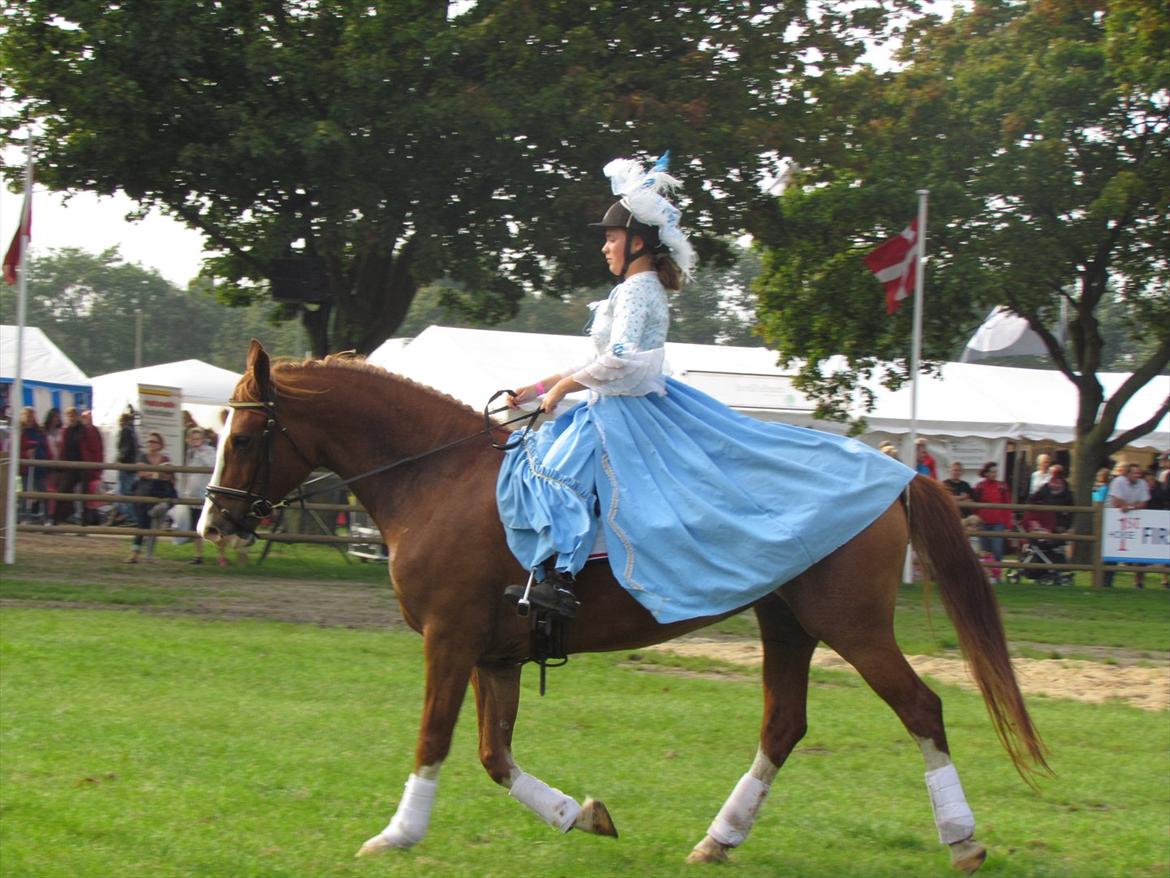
x=553 y=398
x=524 y=394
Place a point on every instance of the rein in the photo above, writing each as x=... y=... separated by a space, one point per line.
x=261 y=507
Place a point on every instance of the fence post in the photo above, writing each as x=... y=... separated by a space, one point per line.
x=1098 y=544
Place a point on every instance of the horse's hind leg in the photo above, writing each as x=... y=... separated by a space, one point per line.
x=497 y=700
x=788 y=650
x=883 y=666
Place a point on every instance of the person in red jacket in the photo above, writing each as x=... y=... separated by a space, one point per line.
x=92 y=449
x=991 y=490
x=80 y=441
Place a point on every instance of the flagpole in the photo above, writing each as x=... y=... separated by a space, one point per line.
x=16 y=399
x=916 y=346
x=916 y=341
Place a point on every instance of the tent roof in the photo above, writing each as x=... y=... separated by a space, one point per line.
x=44 y=362
x=969 y=399
x=472 y=364
x=201 y=383
x=993 y=402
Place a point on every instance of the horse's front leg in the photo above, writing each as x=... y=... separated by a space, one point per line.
x=497 y=699
x=447 y=673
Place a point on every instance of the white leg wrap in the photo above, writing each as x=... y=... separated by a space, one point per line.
x=553 y=806
x=410 y=821
x=952 y=814
x=734 y=820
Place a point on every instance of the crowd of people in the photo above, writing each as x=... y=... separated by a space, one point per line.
x=72 y=436
x=1125 y=485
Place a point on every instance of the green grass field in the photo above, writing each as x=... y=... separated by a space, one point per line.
x=140 y=745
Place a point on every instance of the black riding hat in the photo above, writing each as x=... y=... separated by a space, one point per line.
x=619 y=217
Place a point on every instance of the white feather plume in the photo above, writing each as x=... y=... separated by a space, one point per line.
x=643 y=195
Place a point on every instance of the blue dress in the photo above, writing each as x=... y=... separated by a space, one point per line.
x=703 y=509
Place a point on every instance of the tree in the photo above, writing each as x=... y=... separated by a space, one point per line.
x=1044 y=137
x=341 y=154
x=89 y=304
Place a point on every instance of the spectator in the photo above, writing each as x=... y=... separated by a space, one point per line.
x=1101 y=485
x=1054 y=492
x=71 y=481
x=156 y=484
x=991 y=490
x=92 y=451
x=194 y=485
x=128 y=451
x=52 y=429
x=974 y=523
x=924 y=464
x=33 y=446
x=1127 y=492
x=959 y=489
x=1159 y=499
x=1041 y=474
x=889 y=449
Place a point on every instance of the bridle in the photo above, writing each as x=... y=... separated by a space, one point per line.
x=256 y=494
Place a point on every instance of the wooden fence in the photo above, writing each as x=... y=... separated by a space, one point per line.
x=283 y=532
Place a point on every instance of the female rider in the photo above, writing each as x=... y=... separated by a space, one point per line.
x=703 y=509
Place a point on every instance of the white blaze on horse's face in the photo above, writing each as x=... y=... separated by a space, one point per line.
x=216 y=476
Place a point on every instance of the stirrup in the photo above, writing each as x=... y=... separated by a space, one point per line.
x=553 y=594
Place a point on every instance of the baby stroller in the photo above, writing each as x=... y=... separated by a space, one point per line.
x=1042 y=550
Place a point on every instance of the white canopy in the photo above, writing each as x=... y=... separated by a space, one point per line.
x=49 y=377
x=999 y=402
x=471 y=364
x=968 y=401
x=206 y=389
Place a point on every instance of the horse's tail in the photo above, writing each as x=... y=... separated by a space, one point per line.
x=937 y=534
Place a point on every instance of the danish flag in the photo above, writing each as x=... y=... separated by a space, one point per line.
x=16 y=248
x=895 y=262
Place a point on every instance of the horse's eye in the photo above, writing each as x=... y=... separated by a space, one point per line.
x=241 y=441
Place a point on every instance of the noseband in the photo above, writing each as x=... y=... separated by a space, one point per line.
x=259 y=506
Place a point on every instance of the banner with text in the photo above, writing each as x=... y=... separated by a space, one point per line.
x=161 y=409
x=1141 y=536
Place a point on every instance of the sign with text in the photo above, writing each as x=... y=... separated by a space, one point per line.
x=161 y=409
x=1140 y=536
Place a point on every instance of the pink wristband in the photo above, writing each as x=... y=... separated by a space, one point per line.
x=540 y=388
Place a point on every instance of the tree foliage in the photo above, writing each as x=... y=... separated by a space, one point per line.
x=89 y=304
x=1044 y=139
x=350 y=152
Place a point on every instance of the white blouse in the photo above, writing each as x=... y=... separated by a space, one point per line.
x=629 y=340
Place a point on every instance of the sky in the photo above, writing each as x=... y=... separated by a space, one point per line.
x=94 y=223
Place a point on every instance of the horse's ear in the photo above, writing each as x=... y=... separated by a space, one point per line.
x=258 y=364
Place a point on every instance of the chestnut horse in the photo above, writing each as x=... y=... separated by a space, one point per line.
x=426 y=472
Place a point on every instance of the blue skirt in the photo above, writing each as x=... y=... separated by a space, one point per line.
x=703 y=509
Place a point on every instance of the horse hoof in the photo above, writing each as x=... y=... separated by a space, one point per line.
x=968 y=855
x=594 y=817
x=708 y=851
x=379 y=844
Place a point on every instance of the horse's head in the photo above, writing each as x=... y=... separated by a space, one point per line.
x=258 y=461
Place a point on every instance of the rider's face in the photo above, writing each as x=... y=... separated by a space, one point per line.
x=614 y=250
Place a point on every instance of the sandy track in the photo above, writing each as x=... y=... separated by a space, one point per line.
x=205 y=591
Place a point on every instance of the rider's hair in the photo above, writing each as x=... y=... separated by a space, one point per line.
x=668 y=271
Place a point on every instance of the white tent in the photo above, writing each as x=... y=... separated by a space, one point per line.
x=1003 y=334
x=471 y=364
x=968 y=414
x=50 y=378
x=206 y=390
